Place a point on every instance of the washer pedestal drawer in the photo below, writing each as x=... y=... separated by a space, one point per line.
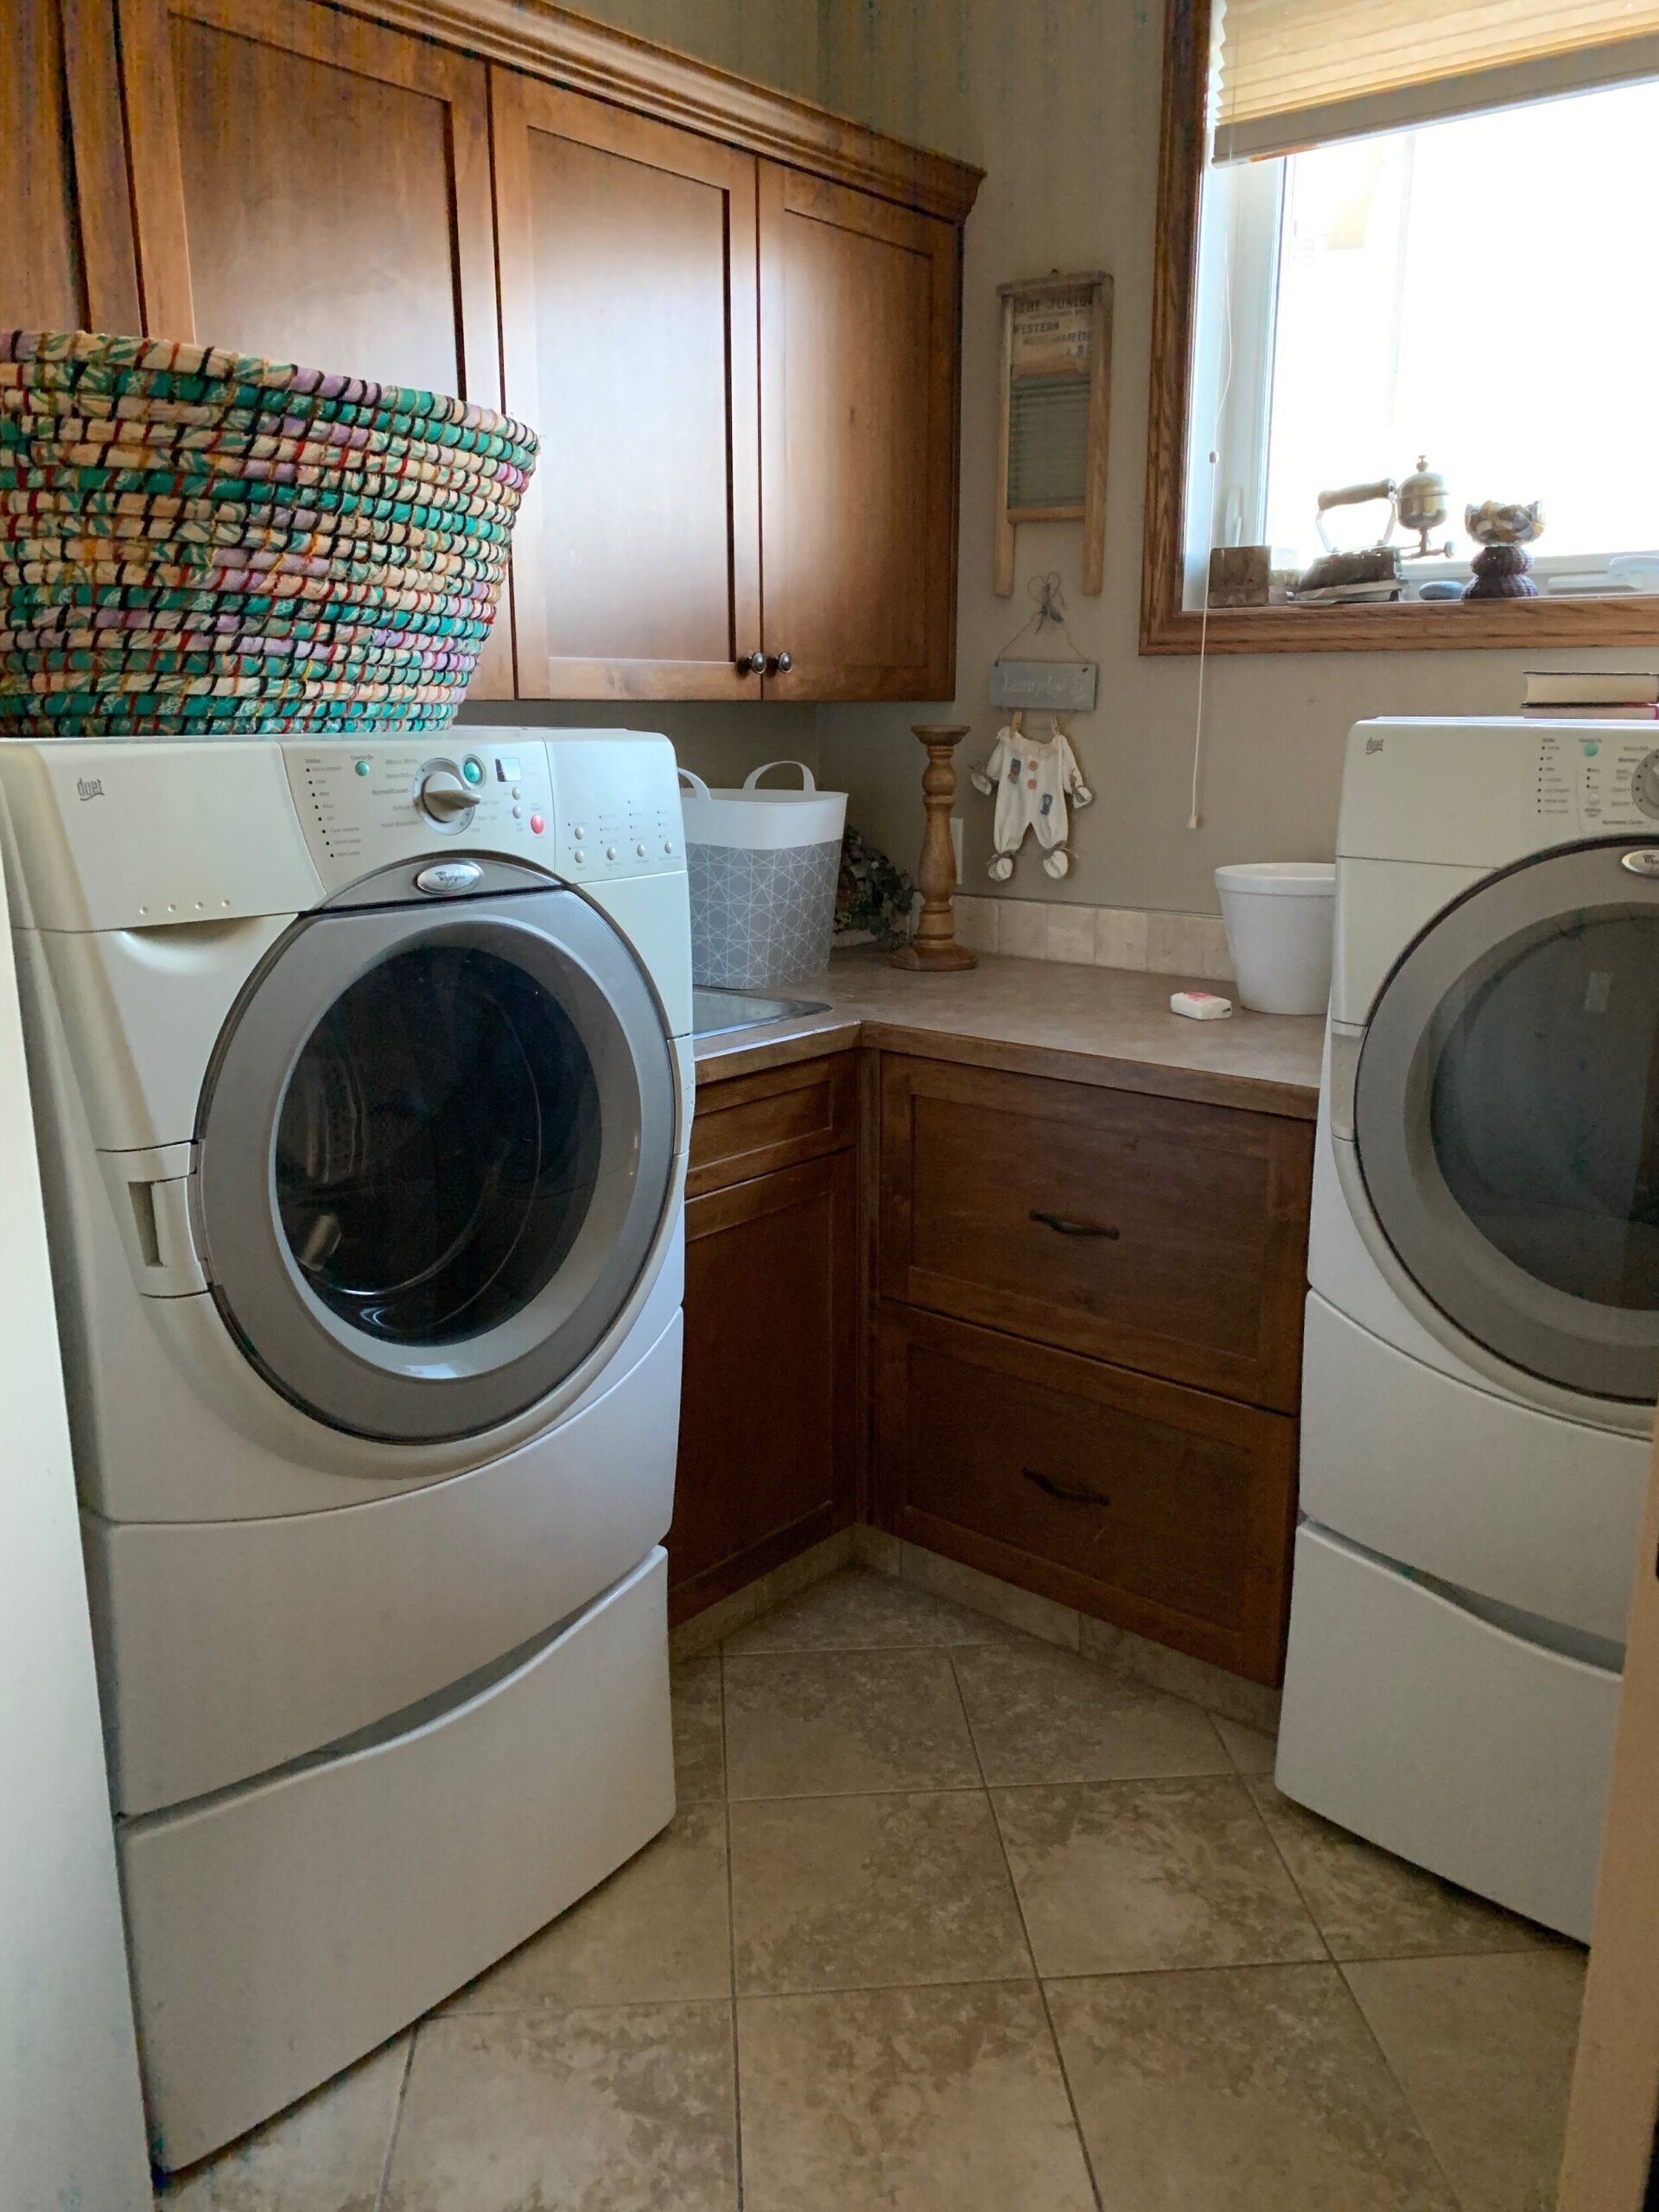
x=280 y=1929
x=1469 y=1749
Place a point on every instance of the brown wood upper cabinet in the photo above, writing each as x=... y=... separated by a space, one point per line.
x=733 y=317
x=66 y=246
x=858 y=443
x=314 y=188
x=628 y=326
x=758 y=372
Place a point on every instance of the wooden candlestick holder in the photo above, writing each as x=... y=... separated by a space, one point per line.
x=934 y=947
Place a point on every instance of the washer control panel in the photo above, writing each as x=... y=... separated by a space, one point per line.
x=587 y=806
x=364 y=807
x=1609 y=781
x=619 y=809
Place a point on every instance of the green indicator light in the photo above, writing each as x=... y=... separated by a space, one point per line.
x=361 y=766
x=1591 y=749
x=474 y=771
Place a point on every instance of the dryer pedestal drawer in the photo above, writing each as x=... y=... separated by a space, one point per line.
x=477 y=1564
x=279 y=1931
x=1443 y=1737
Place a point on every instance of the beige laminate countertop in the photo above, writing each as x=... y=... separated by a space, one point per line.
x=1110 y=1025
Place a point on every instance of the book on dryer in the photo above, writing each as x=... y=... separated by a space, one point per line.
x=1575 y=694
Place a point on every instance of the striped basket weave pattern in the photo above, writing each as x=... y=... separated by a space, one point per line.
x=198 y=541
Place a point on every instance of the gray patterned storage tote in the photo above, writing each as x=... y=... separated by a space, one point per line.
x=763 y=866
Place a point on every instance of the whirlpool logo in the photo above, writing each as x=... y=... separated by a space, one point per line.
x=89 y=787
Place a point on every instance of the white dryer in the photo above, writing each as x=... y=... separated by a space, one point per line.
x=363 y=1076
x=1482 y=1350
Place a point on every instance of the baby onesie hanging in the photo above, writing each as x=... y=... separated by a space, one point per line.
x=1033 y=780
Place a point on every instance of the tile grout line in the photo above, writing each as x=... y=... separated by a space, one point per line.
x=1336 y=1965
x=731 y=1932
x=396 y=2119
x=1302 y=1898
x=1031 y=1952
x=1455 y=2195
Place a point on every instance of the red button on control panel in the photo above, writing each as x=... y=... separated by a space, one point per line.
x=536 y=825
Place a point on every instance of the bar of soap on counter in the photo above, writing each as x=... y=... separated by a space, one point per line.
x=1200 y=1006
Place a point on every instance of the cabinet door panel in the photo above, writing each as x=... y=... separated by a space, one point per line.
x=66 y=258
x=313 y=188
x=768 y=1421
x=858 y=345
x=628 y=286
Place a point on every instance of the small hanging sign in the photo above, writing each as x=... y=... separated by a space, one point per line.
x=1059 y=687
x=1056 y=343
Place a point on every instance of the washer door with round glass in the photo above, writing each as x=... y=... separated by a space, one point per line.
x=1506 y=1116
x=435 y=1151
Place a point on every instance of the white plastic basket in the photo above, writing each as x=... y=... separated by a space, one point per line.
x=763 y=866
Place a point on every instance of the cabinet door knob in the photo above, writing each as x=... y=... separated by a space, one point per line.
x=751 y=664
x=781 y=664
x=1067 y=1227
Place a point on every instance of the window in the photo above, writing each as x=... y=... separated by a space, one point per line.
x=1467 y=290
x=1471 y=287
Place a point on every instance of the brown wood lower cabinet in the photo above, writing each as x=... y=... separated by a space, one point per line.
x=769 y=1424
x=1159 y=1508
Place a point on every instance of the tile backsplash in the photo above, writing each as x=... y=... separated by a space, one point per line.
x=1099 y=937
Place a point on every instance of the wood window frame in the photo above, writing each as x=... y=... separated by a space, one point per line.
x=1169 y=627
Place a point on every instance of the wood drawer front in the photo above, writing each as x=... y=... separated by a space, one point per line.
x=1158 y=1233
x=755 y=1124
x=1160 y=1509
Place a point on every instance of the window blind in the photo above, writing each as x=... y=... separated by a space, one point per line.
x=1300 y=73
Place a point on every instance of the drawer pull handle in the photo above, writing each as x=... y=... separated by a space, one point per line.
x=1068 y=1227
x=1064 y=1491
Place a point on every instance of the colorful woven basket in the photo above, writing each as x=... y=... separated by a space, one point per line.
x=196 y=541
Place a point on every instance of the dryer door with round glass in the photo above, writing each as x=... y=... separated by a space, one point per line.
x=435 y=1152
x=1506 y=1116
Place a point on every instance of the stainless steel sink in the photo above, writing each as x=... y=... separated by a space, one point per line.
x=715 y=1011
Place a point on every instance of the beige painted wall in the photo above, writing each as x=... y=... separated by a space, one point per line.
x=774 y=42
x=1058 y=100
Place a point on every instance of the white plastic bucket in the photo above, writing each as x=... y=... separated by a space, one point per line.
x=763 y=867
x=1278 y=915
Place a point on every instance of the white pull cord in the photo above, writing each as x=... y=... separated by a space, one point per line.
x=1194 y=819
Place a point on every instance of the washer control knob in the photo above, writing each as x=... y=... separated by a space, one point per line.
x=1644 y=784
x=443 y=797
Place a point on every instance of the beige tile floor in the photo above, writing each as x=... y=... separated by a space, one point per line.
x=952 y=1921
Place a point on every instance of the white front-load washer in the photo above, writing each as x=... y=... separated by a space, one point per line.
x=363 y=1077
x=1482 y=1346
